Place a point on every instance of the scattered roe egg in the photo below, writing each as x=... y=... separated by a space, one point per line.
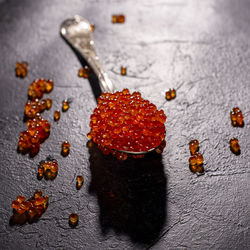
x=235 y=146
x=84 y=72
x=170 y=94
x=65 y=148
x=79 y=181
x=73 y=219
x=57 y=115
x=193 y=146
x=118 y=18
x=65 y=105
x=48 y=103
x=123 y=71
x=126 y=122
x=237 y=118
x=21 y=69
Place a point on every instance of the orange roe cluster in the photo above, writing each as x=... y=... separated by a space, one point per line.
x=126 y=122
x=235 y=146
x=57 y=115
x=38 y=87
x=38 y=131
x=21 y=69
x=237 y=118
x=32 y=208
x=84 y=72
x=170 y=94
x=32 y=107
x=118 y=18
x=38 y=128
x=92 y=27
x=47 y=169
x=196 y=160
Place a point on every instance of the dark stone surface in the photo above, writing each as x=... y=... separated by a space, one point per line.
x=201 y=48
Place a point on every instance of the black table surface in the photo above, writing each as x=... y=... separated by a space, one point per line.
x=200 y=48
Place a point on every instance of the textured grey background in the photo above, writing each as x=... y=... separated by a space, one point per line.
x=201 y=48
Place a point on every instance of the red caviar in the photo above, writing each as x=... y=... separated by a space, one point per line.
x=37 y=132
x=32 y=107
x=38 y=87
x=21 y=69
x=126 y=122
x=48 y=169
x=237 y=118
x=35 y=206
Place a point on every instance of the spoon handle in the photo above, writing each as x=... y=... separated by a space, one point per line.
x=94 y=62
x=77 y=31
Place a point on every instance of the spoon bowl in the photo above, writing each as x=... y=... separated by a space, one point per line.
x=77 y=32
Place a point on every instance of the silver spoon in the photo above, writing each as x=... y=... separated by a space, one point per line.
x=77 y=32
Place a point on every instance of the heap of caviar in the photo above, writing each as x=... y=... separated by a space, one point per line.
x=237 y=117
x=235 y=146
x=32 y=107
x=47 y=169
x=21 y=69
x=126 y=122
x=196 y=160
x=32 y=208
x=39 y=87
x=37 y=132
x=84 y=72
x=118 y=18
x=170 y=94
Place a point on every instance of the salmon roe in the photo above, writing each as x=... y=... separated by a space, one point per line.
x=38 y=128
x=21 y=69
x=237 y=118
x=126 y=122
x=47 y=169
x=170 y=94
x=235 y=146
x=196 y=160
x=32 y=107
x=73 y=220
x=39 y=87
x=34 y=207
x=79 y=181
x=84 y=72
x=65 y=148
x=118 y=18
x=38 y=131
x=193 y=146
x=123 y=71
